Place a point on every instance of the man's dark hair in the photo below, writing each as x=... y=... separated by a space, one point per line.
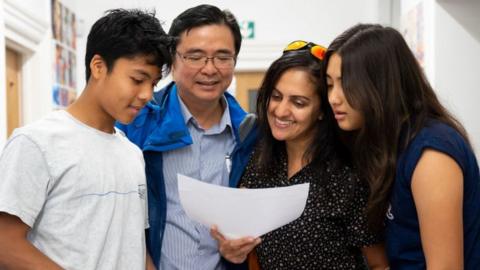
x=128 y=33
x=205 y=15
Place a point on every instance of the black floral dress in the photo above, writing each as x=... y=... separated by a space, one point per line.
x=330 y=231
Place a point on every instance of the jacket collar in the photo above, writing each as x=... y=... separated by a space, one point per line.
x=170 y=131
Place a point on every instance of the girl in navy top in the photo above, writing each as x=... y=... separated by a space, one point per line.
x=422 y=173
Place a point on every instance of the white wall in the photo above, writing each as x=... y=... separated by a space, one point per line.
x=452 y=53
x=457 y=58
x=25 y=27
x=451 y=32
x=276 y=22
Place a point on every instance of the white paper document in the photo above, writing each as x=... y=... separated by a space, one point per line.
x=240 y=212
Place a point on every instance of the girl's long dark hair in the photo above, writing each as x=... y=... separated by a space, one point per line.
x=382 y=79
x=322 y=146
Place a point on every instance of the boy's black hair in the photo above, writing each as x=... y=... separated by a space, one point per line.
x=128 y=33
x=205 y=15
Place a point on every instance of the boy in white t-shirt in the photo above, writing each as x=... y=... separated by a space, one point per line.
x=72 y=187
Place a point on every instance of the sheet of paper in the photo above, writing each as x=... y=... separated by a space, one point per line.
x=241 y=212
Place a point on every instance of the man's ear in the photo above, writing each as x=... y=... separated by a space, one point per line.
x=98 y=67
x=172 y=70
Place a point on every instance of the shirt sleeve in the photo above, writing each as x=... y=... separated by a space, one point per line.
x=359 y=233
x=438 y=137
x=24 y=179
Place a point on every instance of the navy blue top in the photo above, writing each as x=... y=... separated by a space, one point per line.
x=403 y=241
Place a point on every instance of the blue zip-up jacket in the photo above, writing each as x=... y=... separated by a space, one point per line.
x=160 y=127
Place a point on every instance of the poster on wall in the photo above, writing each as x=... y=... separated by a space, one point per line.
x=64 y=45
x=413 y=30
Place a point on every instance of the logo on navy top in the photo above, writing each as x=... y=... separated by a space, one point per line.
x=389 y=212
x=142 y=191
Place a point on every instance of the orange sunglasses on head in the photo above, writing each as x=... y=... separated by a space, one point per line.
x=315 y=49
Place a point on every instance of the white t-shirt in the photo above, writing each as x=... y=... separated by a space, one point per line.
x=82 y=192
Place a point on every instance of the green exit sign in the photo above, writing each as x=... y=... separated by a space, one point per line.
x=247 y=28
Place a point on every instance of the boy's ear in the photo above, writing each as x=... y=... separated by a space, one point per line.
x=98 y=67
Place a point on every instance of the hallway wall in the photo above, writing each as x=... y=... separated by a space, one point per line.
x=276 y=22
x=452 y=42
x=457 y=58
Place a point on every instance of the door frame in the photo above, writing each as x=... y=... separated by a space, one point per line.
x=13 y=87
x=245 y=82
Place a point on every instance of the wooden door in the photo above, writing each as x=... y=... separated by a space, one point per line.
x=247 y=88
x=13 y=90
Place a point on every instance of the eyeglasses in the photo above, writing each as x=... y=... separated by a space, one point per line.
x=199 y=61
x=316 y=50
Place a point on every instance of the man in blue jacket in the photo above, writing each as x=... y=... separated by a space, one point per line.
x=193 y=127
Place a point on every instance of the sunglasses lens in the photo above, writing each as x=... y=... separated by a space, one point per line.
x=295 y=45
x=318 y=51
